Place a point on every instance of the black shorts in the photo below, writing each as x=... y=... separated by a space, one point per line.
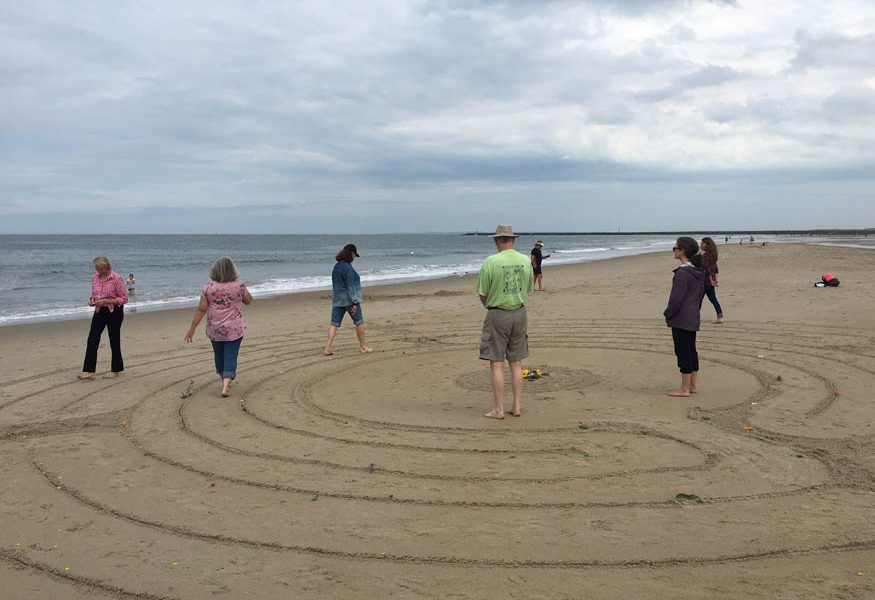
x=536 y=271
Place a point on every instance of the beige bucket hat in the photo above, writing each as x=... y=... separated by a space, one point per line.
x=504 y=230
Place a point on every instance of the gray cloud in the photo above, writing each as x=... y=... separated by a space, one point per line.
x=851 y=104
x=833 y=50
x=709 y=75
x=427 y=107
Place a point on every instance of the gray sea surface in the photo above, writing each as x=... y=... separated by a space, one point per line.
x=47 y=277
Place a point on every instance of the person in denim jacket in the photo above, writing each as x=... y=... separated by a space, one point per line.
x=346 y=298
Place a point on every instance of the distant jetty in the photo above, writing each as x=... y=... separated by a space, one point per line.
x=796 y=232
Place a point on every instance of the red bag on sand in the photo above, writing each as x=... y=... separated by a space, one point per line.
x=830 y=280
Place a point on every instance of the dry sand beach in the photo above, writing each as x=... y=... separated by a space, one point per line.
x=376 y=476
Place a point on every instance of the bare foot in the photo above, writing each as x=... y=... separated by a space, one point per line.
x=516 y=414
x=329 y=351
x=494 y=414
x=365 y=349
x=85 y=376
x=718 y=321
x=692 y=391
x=678 y=393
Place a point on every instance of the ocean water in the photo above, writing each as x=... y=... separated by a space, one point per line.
x=47 y=277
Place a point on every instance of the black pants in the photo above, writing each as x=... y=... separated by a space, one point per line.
x=103 y=319
x=711 y=292
x=685 y=350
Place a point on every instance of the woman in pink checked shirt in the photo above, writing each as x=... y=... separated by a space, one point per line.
x=108 y=297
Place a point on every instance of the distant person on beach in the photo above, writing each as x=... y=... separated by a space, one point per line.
x=682 y=312
x=108 y=298
x=504 y=284
x=131 y=282
x=222 y=300
x=726 y=239
x=346 y=298
x=751 y=240
x=709 y=263
x=537 y=257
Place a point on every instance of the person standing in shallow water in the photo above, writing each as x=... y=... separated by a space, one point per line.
x=682 y=312
x=346 y=298
x=108 y=298
x=503 y=285
x=709 y=263
x=222 y=301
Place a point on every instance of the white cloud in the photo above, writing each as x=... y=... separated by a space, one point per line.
x=214 y=103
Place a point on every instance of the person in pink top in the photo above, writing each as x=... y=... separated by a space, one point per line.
x=222 y=300
x=108 y=297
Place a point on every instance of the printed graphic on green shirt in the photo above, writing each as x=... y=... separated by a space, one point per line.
x=513 y=276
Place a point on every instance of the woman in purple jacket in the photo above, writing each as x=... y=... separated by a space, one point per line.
x=682 y=312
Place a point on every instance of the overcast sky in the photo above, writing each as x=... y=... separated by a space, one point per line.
x=410 y=116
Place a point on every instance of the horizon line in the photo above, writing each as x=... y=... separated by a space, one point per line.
x=747 y=232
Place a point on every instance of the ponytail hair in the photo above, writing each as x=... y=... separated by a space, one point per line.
x=690 y=248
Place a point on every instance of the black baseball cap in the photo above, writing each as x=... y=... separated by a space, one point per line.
x=353 y=249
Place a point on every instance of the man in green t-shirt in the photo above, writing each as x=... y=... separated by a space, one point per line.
x=504 y=285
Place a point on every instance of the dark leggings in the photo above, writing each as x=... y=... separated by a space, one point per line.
x=103 y=319
x=711 y=292
x=685 y=350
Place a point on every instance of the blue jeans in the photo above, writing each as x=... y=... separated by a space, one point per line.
x=225 y=354
x=337 y=313
x=711 y=292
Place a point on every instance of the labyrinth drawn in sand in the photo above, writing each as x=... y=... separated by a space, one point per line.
x=151 y=486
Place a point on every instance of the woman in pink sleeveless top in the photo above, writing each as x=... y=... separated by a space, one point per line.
x=222 y=300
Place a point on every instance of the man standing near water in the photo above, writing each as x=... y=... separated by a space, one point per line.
x=504 y=285
x=537 y=257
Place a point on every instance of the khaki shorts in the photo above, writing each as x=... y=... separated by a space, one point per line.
x=505 y=335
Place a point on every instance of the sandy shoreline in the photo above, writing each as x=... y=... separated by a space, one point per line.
x=376 y=475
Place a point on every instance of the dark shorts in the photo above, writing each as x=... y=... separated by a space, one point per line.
x=505 y=335
x=536 y=270
x=337 y=313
